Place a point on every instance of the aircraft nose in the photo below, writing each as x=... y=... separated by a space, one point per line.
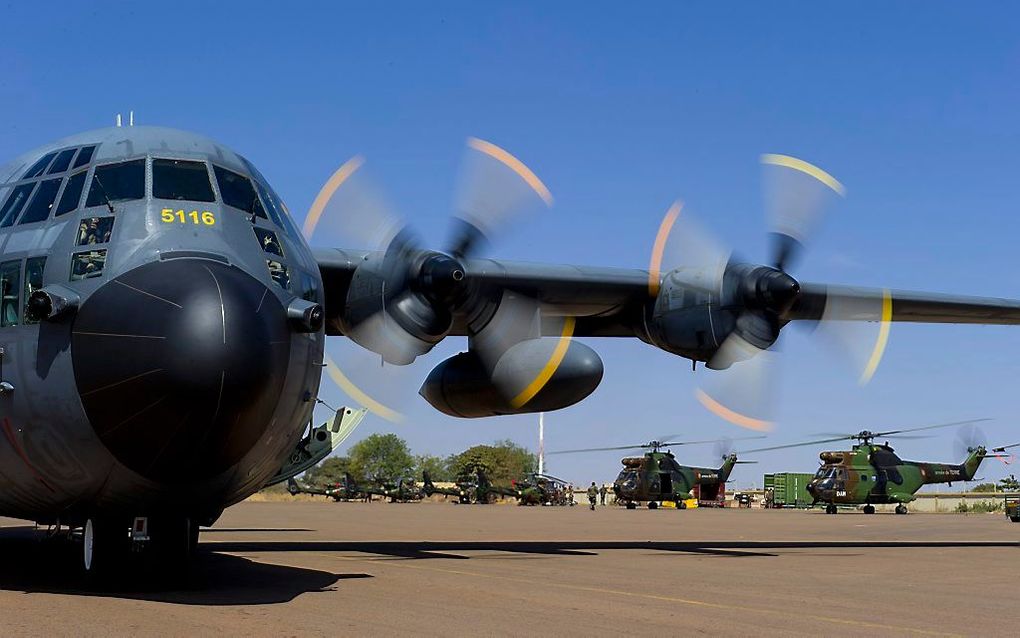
x=179 y=365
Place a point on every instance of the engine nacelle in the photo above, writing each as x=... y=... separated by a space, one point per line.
x=687 y=321
x=462 y=386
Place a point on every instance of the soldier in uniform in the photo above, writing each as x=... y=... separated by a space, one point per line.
x=602 y=494
x=593 y=494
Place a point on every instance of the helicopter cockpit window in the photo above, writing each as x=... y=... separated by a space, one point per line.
x=269 y=241
x=237 y=191
x=117 y=183
x=279 y=273
x=181 y=180
x=39 y=208
x=15 y=202
x=10 y=286
x=94 y=230
x=37 y=169
x=62 y=161
x=34 y=268
x=87 y=264
x=72 y=194
x=84 y=156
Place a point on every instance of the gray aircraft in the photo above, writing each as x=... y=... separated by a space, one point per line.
x=162 y=325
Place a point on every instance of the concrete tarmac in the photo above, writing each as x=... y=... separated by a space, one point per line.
x=439 y=569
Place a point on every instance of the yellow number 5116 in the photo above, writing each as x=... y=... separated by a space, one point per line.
x=170 y=216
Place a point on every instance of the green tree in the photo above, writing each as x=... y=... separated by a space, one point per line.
x=1009 y=484
x=437 y=467
x=502 y=461
x=383 y=457
x=983 y=487
x=329 y=472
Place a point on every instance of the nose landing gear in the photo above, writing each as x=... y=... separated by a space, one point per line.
x=901 y=509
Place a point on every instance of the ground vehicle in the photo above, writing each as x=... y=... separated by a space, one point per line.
x=1012 y=507
x=787 y=489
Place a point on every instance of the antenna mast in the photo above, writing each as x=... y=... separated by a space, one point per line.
x=541 y=442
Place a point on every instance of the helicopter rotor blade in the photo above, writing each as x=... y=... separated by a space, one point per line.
x=929 y=427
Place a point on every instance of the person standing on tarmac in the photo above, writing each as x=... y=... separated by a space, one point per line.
x=602 y=494
x=593 y=494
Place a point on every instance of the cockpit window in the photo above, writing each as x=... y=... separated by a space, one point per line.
x=40 y=166
x=63 y=160
x=279 y=273
x=15 y=202
x=39 y=208
x=84 y=156
x=34 y=268
x=237 y=191
x=72 y=194
x=269 y=242
x=181 y=180
x=117 y=183
x=94 y=230
x=10 y=286
x=87 y=264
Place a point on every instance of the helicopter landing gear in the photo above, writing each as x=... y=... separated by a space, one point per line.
x=652 y=505
x=830 y=508
x=901 y=509
x=869 y=509
x=631 y=505
x=680 y=505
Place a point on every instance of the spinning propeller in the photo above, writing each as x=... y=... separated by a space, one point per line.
x=402 y=298
x=796 y=195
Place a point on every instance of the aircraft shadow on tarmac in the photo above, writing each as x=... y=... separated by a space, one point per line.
x=449 y=549
x=28 y=563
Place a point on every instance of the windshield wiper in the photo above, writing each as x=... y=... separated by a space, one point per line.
x=102 y=190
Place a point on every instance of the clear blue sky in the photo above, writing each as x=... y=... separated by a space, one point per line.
x=620 y=111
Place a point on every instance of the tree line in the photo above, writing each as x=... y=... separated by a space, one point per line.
x=387 y=458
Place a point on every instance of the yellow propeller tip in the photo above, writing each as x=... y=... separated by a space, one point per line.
x=514 y=164
x=796 y=164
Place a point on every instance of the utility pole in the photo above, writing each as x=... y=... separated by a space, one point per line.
x=541 y=442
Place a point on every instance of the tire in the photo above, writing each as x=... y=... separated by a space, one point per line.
x=869 y=509
x=104 y=547
x=631 y=505
x=652 y=505
x=830 y=509
x=680 y=505
x=172 y=543
x=901 y=509
x=1015 y=519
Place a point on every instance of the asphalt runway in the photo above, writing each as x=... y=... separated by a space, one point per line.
x=439 y=569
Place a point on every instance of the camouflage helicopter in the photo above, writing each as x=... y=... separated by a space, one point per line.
x=344 y=490
x=543 y=489
x=872 y=473
x=462 y=491
x=657 y=477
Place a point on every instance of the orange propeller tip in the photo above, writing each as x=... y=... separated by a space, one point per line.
x=721 y=411
x=514 y=164
x=334 y=182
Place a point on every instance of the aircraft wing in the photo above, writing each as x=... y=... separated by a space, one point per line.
x=898 y=305
x=607 y=302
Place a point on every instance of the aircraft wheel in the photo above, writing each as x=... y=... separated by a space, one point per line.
x=631 y=505
x=869 y=509
x=104 y=546
x=830 y=509
x=652 y=505
x=172 y=542
x=901 y=509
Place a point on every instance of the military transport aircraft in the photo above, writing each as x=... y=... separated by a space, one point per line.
x=162 y=325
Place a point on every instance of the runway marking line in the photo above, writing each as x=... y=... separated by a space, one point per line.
x=618 y=592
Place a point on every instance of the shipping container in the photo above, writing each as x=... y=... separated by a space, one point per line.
x=787 y=489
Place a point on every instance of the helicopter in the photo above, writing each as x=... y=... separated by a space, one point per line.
x=872 y=473
x=543 y=489
x=462 y=490
x=336 y=491
x=657 y=477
